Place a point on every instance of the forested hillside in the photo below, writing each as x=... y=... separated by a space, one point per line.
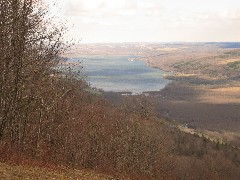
x=49 y=118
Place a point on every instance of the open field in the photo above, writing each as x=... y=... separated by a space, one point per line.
x=206 y=108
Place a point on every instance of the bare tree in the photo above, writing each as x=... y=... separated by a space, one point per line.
x=30 y=48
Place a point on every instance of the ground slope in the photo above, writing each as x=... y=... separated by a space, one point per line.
x=8 y=172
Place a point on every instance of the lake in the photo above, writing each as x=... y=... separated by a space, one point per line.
x=121 y=74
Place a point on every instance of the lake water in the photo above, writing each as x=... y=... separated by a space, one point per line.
x=120 y=74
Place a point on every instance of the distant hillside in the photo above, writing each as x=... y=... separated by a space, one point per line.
x=226 y=44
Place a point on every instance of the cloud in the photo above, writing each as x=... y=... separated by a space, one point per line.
x=154 y=20
x=226 y=15
x=111 y=8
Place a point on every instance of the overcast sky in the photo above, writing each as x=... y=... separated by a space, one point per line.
x=97 y=21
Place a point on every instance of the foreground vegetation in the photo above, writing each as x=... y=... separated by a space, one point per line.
x=51 y=117
x=8 y=171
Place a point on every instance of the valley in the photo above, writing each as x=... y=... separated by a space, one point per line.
x=205 y=88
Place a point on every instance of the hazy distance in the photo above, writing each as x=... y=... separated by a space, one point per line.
x=99 y=21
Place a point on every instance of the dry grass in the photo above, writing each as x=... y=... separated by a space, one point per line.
x=224 y=62
x=209 y=107
x=11 y=172
x=219 y=95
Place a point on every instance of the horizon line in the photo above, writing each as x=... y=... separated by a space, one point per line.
x=161 y=42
